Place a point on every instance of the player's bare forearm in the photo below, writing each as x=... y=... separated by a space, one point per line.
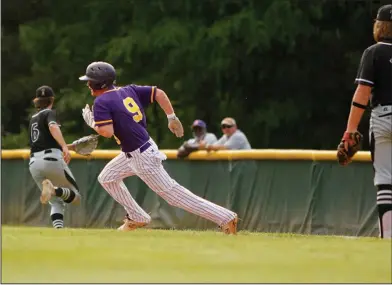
x=57 y=135
x=106 y=131
x=361 y=96
x=164 y=102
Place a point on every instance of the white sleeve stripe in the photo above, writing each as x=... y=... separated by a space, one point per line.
x=52 y=122
x=364 y=80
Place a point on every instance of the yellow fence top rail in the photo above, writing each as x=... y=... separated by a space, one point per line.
x=254 y=154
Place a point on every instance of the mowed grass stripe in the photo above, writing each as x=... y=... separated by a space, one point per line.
x=46 y=255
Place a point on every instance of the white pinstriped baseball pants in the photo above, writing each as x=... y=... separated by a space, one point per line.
x=148 y=166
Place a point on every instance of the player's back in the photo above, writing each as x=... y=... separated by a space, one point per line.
x=39 y=135
x=382 y=58
x=124 y=108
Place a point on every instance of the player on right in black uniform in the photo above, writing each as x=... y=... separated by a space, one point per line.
x=374 y=81
x=49 y=156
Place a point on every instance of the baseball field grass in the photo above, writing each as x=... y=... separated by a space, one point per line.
x=45 y=255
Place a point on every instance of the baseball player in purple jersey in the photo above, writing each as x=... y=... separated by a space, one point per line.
x=119 y=112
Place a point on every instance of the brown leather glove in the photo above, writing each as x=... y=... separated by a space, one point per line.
x=186 y=149
x=350 y=144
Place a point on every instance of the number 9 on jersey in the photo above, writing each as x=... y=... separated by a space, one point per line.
x=133 y=108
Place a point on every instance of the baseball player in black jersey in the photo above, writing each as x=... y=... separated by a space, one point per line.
x=374 y=81
x=49 y=158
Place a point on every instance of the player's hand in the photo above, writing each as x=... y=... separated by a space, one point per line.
x=66 y=154
x=175 y=127
x=88 y=116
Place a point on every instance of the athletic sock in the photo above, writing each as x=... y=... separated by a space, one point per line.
x=384 y=207
x=66 y=194
x=57 y=221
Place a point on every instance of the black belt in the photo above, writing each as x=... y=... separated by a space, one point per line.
x=45 y=152
x=142 y=149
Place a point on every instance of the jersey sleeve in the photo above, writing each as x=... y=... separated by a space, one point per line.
x=146 y=94
x=365 y=75
x=102 y=114
x=51 y=118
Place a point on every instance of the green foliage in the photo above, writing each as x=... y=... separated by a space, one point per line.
x=19 y=140
x=284 y=69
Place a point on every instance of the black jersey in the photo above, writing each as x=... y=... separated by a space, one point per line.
x=375 y=70
x=40 y=136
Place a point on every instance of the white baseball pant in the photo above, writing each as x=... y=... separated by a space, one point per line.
x=148 y=166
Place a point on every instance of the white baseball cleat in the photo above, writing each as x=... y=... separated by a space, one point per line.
x=47 y=191
x=130 y=225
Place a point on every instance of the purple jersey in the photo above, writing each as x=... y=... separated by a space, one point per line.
x=124 y=108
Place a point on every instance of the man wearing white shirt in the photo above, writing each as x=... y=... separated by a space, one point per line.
x=232 y=138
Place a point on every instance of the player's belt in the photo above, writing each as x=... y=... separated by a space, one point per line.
x=45 y=152
x=142 y=149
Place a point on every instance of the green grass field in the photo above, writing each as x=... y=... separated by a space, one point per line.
x=106 y=256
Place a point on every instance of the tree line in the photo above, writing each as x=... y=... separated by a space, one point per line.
x=284 y=69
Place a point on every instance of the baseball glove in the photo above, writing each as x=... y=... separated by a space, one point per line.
x=86 y=145
x=186 y=149
x=348 y=147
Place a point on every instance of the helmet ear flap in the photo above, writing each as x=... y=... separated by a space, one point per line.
x=99 y=85
x=107 y=83
x=94 y=85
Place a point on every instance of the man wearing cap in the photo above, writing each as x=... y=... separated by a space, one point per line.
x=200 y=137
x=49 y=156
x=232 y=137
x=374 y=82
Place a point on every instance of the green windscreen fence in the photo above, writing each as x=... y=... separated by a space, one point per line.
x=306 y=197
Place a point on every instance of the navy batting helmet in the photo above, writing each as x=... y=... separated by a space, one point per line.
x=100 y=75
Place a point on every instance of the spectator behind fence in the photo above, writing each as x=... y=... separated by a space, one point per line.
x=200 y=137
x=232 y=137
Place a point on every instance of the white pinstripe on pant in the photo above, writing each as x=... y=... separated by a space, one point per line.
x=148 y=166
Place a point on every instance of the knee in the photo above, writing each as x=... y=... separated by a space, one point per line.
x=169 y=194
x=163 y=187
x=103 y=178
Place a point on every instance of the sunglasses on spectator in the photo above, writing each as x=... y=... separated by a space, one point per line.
x=226 y=126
